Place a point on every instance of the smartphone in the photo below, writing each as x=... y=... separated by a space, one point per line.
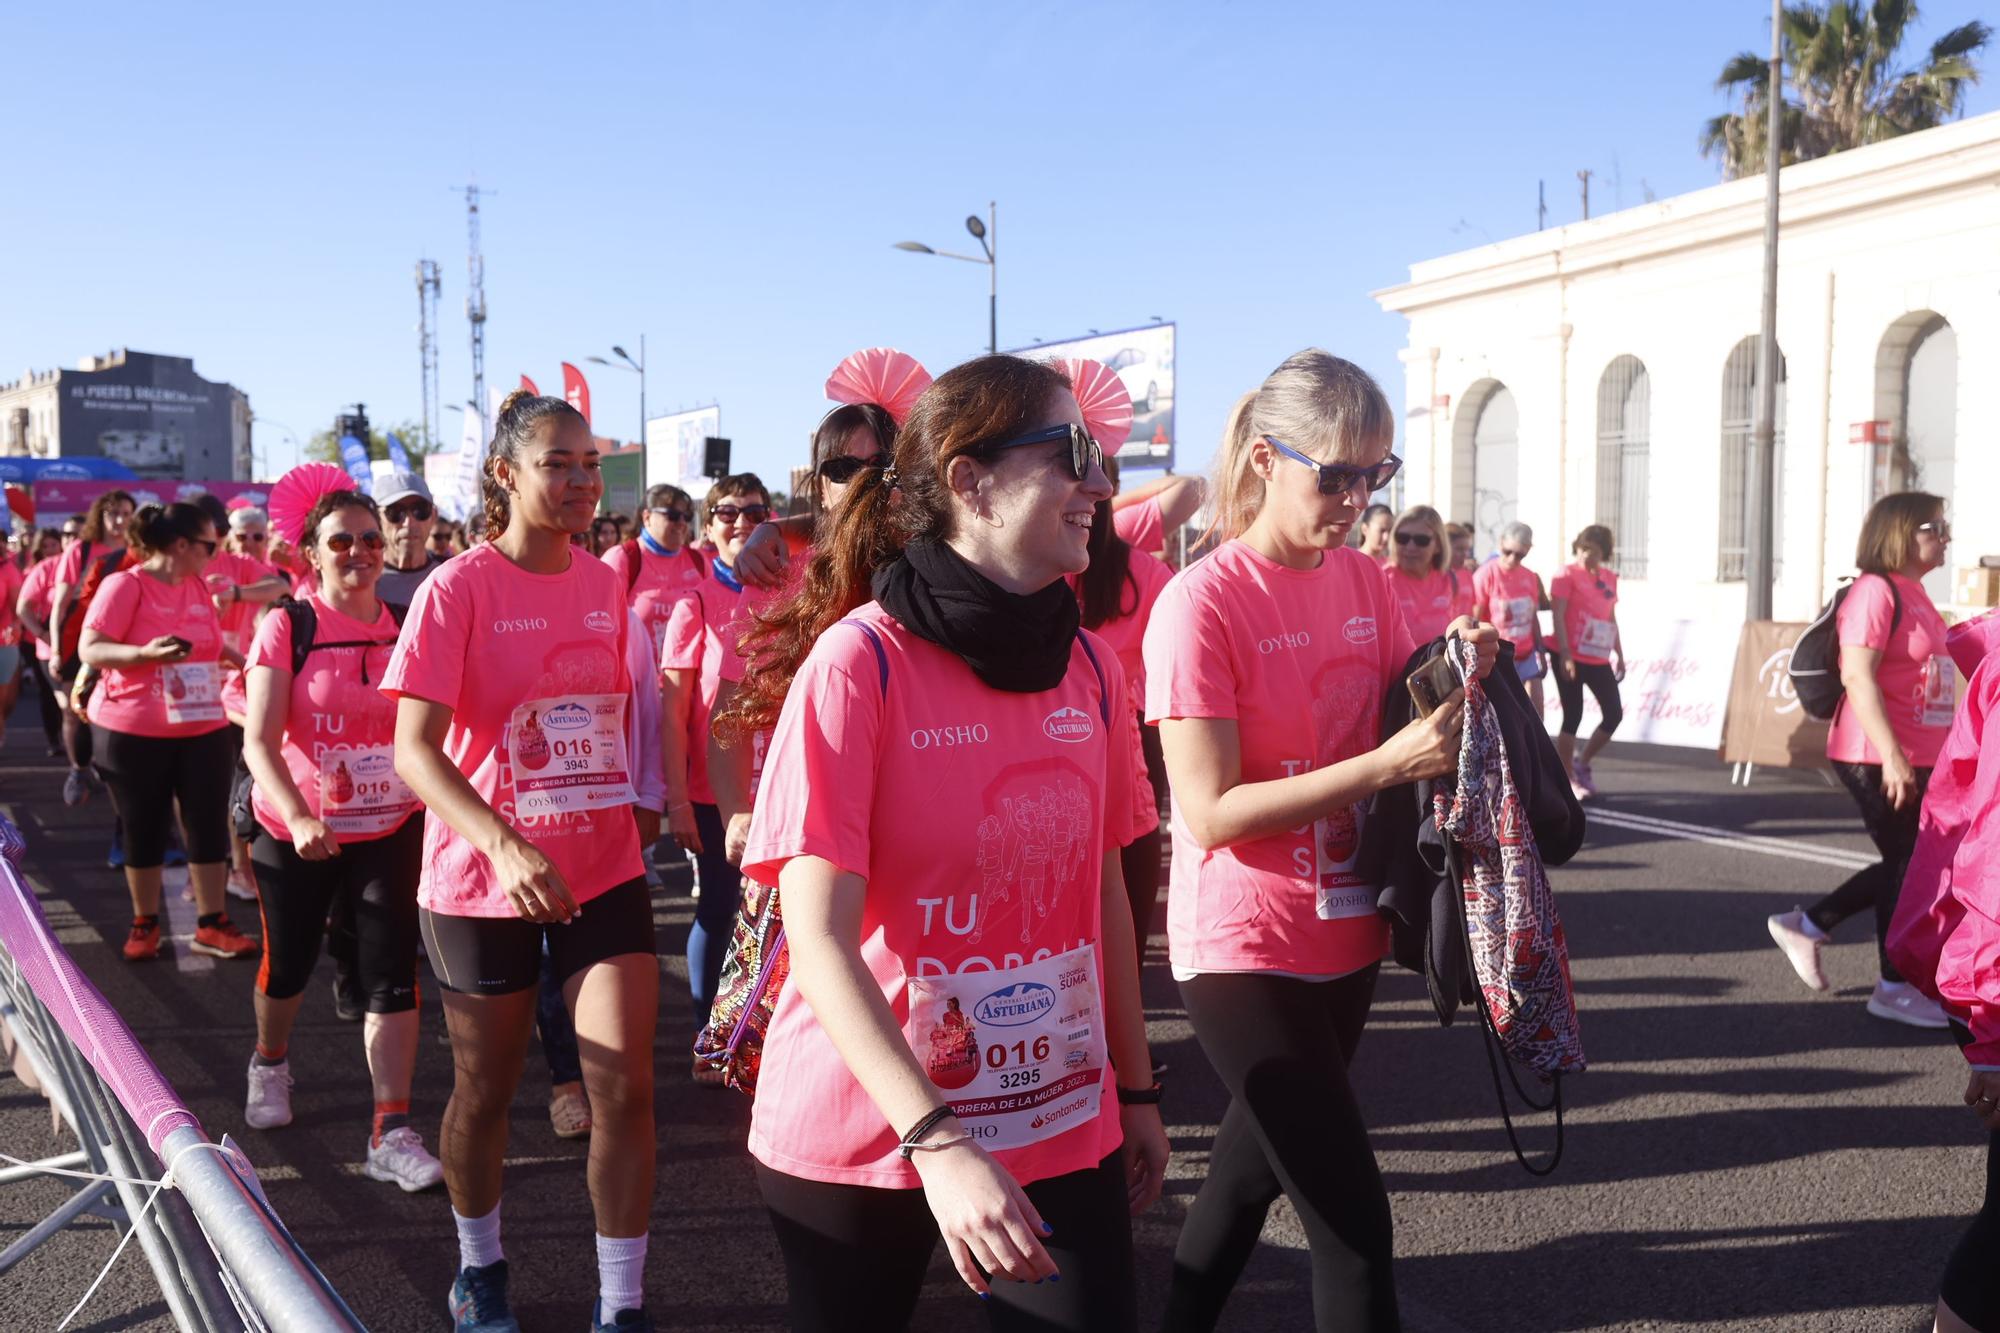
x=1431 y=684
x=182 y=644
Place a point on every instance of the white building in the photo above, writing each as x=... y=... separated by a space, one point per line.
x=1605 y=372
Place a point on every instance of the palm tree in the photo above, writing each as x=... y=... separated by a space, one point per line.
x=1844 y=89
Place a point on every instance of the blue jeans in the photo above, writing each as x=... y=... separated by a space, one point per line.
x=714 y=912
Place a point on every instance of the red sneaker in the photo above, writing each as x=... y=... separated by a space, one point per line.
x=224 y=940
x=144 y=941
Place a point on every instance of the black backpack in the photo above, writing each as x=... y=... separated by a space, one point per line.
x=1815 y=664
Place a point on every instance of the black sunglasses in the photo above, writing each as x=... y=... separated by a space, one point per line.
x=847 y=467
x=1340 y=478
x=730 y=513
x=1084 y=452
x=253 y=536
x=420 y=511
x=1417 y=539
x=672 y=515
x=206 y=544
x=340 y=543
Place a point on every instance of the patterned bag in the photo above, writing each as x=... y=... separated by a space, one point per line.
x=752 y=975
x=1514 y=935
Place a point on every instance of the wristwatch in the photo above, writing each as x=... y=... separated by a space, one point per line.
x=1139 y=1096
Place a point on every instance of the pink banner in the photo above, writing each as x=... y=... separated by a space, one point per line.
x=57 y=500
x=576 y=390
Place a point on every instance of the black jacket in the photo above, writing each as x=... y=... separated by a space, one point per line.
x=1403 y=851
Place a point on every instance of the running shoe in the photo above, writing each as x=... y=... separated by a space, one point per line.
x=241 y=886
x=1586 y=783
x=114 y=859
x=629 y=1321
x=478 y=1301
x=1900 y=1002
x=569 y=1113
x=401 y=1159
x=224 y=940
x=269 y=1103
x=76 y=787
x=1801 y=940
x=144 y=941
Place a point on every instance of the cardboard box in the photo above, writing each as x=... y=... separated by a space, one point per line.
x=1976 y=586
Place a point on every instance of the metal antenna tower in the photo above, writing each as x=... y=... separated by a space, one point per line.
x=475 y=303
x=429 y=283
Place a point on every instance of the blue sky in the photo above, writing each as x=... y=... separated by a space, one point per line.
x=253 y=184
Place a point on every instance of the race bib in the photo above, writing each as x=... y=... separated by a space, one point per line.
x=1018 y=1054
x=1940 y=691
x=192 y=690
x=569 y=754
x=1342 y=893
x=1599 y=637
x=359 y=791
x=1516 y=615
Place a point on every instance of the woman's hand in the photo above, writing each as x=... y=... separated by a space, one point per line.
x=681 y=826
x=762 y=561
x=1568 y=667
x=166 y=648
x=532 y=884
x=1143 y=1154
x=984 y=1216
x=1618 y=665
x=736 y=837
x=1899 y=780
x=1428 y=746
x=1485 y=641
x=649 y=827
x=1982 y=1094
x=312 y=839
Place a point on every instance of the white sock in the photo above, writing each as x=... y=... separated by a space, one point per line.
x=621 y=1274
x=478 y=1238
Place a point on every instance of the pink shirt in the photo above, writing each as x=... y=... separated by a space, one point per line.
x=1970 y=641
x=1591 y=614
x=1299 y=660
x=1915 y=672
x=754 y=600
x=233 y=569
x=517 y=656
x=1510 y=600
x=697 y=627
x=11 y=580
x=340 y=729
x=979 y=818
x=1142 y=525
x=38 y=589
x=660 y=582
x=163 y=698
x=1126 y=634
x=1427 y=603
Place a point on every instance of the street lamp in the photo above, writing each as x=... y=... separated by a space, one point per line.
x=256 y=420
x=629 y=364
x=987 y=233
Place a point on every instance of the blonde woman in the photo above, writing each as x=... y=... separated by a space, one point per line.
x=1419 y=574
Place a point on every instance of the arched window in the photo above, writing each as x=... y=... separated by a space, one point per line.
x=1739 y=412
x=1916 y=394
x=1486 y=463
x=1624 y=440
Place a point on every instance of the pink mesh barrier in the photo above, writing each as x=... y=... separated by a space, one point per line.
x=82 y=1012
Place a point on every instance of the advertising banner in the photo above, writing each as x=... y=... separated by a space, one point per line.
x=1144 y=360
x=576 y=390
x=673 y=447
x=1676 y=687
x=57 y=500
x=441 y=475
x=151 y=413
x=1764 y=724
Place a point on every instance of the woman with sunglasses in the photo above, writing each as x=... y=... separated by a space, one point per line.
x=1420 y=577
x=1267 y=664
x=1901 y=693
x=660 y=564
x=1509 y=595
x=101 y=543
x=31 y=605
x=1588 y=651
x=157 y=726
x=335 y=822
x=945 y=796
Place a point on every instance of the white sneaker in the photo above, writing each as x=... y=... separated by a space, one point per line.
x=1900 y=1002
x=270 y=1101
x=402 y=1159
x=240 y=887
x=1801 y=941
x=1586 y=782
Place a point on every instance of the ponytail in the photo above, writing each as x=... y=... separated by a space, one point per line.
x=1239 y=491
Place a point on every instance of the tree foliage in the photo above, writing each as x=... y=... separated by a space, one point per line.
x=325 y=445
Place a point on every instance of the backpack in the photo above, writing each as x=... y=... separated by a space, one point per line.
x=70 y=633
x=630 y=546
x=1815 y=662
x=754 y=972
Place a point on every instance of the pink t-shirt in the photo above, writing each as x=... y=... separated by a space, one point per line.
x=1427 y=603
x=1918 y=679
x=980 y=819
x=1509 y=598
x=1127 y=636
x=340 y=729
x=11 y=580
x=530 y=665
x=1299 y=659
x=166 y=699
x=755 y=599
x=697 y=627
x=38 y=589
x=233 y=569
x=1970 y=641
x=1591 y=614
x=1142 y=525
x=661 y=581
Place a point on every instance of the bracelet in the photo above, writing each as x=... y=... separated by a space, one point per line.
x=909 y=1143
x=950 y=1141
x=1139 y=1096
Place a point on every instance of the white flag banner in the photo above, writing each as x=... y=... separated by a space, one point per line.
x=471 y=461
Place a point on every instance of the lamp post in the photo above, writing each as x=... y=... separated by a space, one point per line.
x=625 y=362
x=257 y=420
x=987 y=233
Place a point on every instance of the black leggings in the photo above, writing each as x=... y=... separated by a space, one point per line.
x=855 y=1255
x=45 y=695
x=379 y=877
x=1141 y=859
x=1603 y=683
x=1282 y=1048
x=1971 y=1278
x=147 y=774
x=1894 y=833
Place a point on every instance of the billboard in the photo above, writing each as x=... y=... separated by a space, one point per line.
x=57 y=500
x=673 y=447
x=1144 y=360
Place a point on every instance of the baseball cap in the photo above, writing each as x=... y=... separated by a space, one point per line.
x=400 y=486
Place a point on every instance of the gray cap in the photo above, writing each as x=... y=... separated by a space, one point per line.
x=400 y=486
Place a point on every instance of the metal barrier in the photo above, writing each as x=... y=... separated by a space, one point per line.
x=223 y=1259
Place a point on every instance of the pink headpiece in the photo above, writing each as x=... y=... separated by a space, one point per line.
x=298 y=491
x=883 y=376
x=1102 y=397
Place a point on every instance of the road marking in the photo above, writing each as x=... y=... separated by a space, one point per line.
x=182 y=918
x=1814 y=852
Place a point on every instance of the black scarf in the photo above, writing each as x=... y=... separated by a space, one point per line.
x=1012 y=642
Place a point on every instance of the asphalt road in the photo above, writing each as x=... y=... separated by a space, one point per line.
x=1742 y=1154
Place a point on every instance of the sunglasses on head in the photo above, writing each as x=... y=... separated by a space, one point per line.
x=730 y=513
x=1084 y=453
x=847 y=467
x=340 y=543
x=1340 y=478
x=1420 y=540
x=672 y=515
x=420 y=510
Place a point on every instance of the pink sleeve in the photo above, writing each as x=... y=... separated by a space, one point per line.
x=1971 y=641
x=429 y=660
x=114 y=607
x=1142 y=526
x=1865 y=615
x=681 y=649
x=615 y=557
x=1402 y=643
x=1121 y=818
x=817 y=796
x=273 y=646
x=1560 y=587
x=1188 y=664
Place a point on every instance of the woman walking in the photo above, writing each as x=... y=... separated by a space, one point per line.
x=98 y=552
x=1589 y=652
x=1419 y=574
x=1509 y=595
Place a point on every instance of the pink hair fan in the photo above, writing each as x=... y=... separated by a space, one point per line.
x=890 y=379
x=298 y=491
x=1102 y=397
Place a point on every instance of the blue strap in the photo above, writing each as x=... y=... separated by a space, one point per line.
x=881 y=653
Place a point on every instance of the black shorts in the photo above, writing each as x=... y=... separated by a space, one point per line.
x=496 y=955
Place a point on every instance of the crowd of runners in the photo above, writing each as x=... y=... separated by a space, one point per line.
x=939 y=724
